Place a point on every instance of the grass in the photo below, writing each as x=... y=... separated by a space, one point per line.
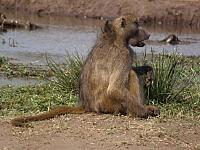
x=176 y=88
x=32 y=99
x=9 y=69
x=67 y=75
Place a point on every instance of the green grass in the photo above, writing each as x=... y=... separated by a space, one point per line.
x=32 y=99
x=176 y=88
x=10 y=70
x=67 y=74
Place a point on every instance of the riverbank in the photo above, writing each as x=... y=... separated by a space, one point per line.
x=151 y=11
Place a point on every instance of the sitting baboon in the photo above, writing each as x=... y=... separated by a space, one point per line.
x=107 y=75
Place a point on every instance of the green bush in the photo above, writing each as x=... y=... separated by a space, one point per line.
x=67 y=74
x=176 y=85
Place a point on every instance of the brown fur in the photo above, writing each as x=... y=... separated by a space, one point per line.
x=22 y=121
x=105 y=78
x=142 y=76
x=146 y=73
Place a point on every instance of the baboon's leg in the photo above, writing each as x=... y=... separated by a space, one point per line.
x=110 y=106
x=136 y=91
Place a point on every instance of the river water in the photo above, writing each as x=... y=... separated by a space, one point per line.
x=63 y=34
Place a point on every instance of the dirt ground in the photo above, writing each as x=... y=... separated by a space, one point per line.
x=158 y=11
x=92 y=131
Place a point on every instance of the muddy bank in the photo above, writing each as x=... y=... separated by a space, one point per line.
x=159 y=11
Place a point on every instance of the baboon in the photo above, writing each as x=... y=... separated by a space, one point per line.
x=144 y=72
x=140 y=71
x=105 y=79
x=145 y=79
x=137 y=77
x=107 y=74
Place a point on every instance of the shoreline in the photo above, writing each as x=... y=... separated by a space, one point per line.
x=149 y=11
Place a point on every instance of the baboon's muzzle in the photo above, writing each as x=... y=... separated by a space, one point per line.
x=139 y=40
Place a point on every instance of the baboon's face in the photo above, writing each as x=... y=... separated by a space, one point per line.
x=149 y=78
x=140 y=38
x=146 y=72
x=127 y=27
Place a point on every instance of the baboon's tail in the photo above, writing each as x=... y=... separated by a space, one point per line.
x=22 y=121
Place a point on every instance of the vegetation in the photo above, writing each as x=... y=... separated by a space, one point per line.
x=67 y=75
x=9 y=69
x=176 y=87
x=32 y=99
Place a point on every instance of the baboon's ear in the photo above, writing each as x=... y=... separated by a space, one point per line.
x=107 y=27
x=123 y=23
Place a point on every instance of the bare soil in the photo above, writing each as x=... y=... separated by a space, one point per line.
x=93 y=131
x=157 y=11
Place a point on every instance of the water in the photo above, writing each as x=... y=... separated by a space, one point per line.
x=63 y=34
x=59 y=36
x=190 y=40
x=54 y=41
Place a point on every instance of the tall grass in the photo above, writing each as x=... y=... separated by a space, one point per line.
x=67 y=74
x=176 y=79
x=176 y=83
x=172 y=76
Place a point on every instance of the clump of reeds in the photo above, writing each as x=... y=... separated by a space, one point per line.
x=67 y=74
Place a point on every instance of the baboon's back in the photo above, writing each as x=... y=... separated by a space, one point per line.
x=96 y=74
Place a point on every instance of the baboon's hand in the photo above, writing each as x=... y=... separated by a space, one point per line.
x=152 y=110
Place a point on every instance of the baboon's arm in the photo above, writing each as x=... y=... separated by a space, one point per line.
x=118 y=91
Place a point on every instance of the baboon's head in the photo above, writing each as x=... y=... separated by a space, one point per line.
x=149 y=77
x=146 y=72
x=125 y=30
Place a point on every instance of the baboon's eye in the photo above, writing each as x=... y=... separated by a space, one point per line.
x=123 y=23
x=136 y=23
